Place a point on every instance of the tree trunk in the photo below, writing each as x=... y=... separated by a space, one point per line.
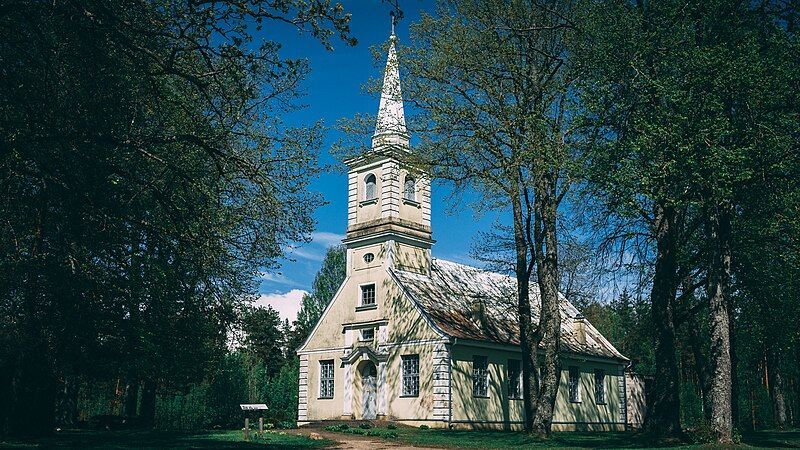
x=734 y=368
x=548 y=334
x=131 y=398
x=147 y=410
x=777 y=390
x=700 y=363
x=530 y=376
x=68 y=402
x=663 y=418
x=718 y=315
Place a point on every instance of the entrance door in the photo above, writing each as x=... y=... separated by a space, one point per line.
x=369 y=386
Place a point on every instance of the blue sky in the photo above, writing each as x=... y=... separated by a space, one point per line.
x=333 y=91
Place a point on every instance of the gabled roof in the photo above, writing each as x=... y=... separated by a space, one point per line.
x=469 y=303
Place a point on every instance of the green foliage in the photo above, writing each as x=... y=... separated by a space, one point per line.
x=147 y=178
x=326 y=282
x=423 y=427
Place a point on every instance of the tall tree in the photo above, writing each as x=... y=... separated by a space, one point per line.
x=489 y=80
x=692 y=104
x=326 y=283
x=147 y=177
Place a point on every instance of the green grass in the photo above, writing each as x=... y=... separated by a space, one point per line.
x=502 y=440
x=151 y=440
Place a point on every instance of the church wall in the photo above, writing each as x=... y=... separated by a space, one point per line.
x=360 y=210
x=412 y=259
x=420 y=407
x=587 y=412
x=496 y=407
x=497 y=410
x=327 y=408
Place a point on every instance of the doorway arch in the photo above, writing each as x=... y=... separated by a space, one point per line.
x=369 y=390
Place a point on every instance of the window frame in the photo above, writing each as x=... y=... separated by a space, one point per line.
x=600 y=387
x=370 y=179
x=514 y=394
x=412 y=377
x=413 y=190
x=574 y=396
x=361 y=289
x=324 y=379
x=365 y=339
x=480 y=376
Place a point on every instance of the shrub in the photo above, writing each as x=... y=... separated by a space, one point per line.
x=390 y=434
x=365 y=425
x=343 y=426
x=391 y=426
x=423 y=427
x=358 y=431
x=286 y=425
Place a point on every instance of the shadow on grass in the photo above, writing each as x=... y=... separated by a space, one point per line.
x=151 y=440
x=579 y=440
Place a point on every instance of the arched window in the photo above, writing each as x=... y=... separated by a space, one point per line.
x=410 y=189
x=369 y=187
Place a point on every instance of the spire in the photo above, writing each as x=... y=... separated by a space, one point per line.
x=391 y=125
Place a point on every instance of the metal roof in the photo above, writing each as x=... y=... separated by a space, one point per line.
x=469 y=303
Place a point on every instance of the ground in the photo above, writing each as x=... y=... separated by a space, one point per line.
x=407 y=438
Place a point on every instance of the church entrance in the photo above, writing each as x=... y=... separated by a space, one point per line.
x=369 y=390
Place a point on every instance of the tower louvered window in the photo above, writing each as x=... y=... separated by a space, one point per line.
x=370 y=187
x=410 y=189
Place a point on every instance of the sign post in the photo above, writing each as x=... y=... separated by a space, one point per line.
x=253 y=407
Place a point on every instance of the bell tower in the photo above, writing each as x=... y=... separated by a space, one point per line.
x=389 y=203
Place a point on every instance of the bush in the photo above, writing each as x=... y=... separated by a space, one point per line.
x=343 y=426
x=391 y=426
x=390 y=434
x=286 y=425
x=423 y=427
x=365 y=425
x=358 y=431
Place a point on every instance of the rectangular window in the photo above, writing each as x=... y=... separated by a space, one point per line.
x=410 y=375
x=368 y=294
x=600 y=386
x=368 y=334
x=514 y=379
x=480 y=376
x=574 y=384
x=326 y=379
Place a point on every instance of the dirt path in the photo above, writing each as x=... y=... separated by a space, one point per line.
x=353 y=441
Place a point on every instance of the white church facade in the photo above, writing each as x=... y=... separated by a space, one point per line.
x=419 y=340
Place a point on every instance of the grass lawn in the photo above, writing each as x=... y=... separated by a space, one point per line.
x=84 y=439
x=503 y=440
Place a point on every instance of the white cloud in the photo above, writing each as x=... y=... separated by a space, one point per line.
x=287 y=304
x=313 y=254
x=326 y=238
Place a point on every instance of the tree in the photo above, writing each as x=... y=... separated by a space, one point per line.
x=678 y=119
x=326 y=283
x=147 y=177
x=489 y=80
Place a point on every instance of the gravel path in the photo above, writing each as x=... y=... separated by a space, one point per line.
x=353 y=441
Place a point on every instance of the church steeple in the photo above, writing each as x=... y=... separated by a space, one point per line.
x=390 y=128
x=389 y=203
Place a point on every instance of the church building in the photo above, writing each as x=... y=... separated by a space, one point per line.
x=419 y=340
